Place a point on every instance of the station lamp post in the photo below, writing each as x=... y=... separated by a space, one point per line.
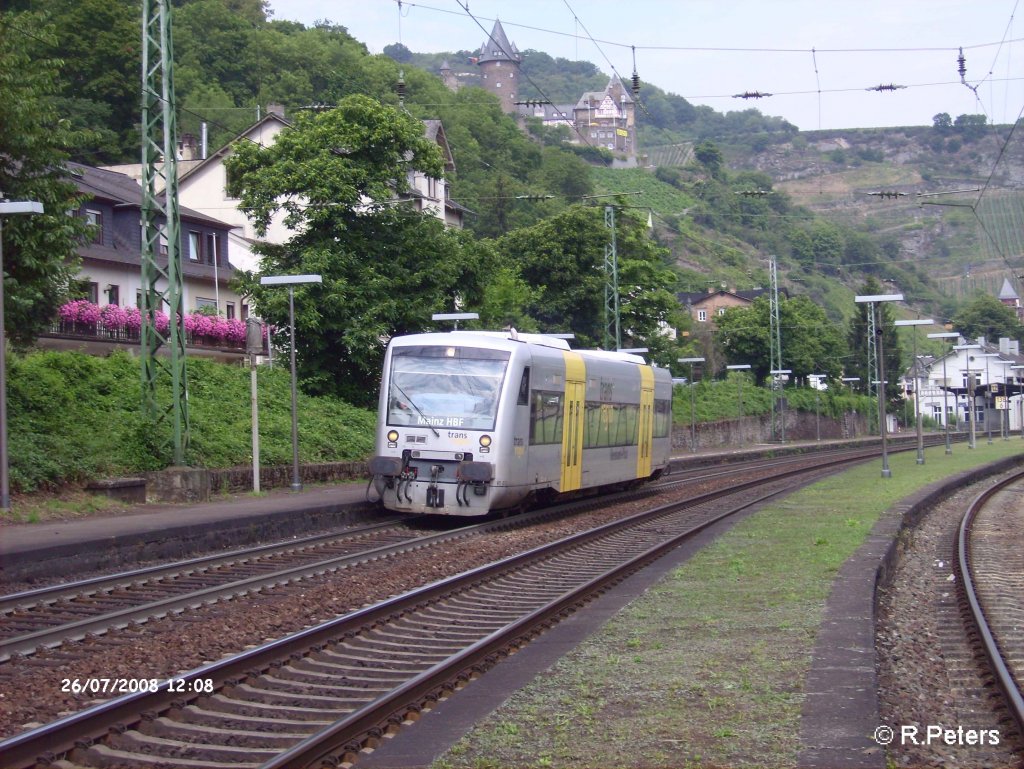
x=917 y=383
x=850 y=381
x=693 y=406
x=739 y=392
x=972 y=411
x=871 y=300
x=455 y=316
x=988 y=393
x=945 y=386
x=817 y=403
x=291 y=281
x=7 y=208
x=782 y=403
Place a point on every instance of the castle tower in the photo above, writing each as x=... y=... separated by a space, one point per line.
x=1010 y=298
x=499 y=62
x=449 y=79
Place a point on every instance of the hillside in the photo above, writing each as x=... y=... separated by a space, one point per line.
x=712 y=180
x=833 y=173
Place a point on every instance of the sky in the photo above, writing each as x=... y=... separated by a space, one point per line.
x=816 y=57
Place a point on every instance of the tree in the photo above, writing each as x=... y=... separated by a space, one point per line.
x=970 y=127
x=562 y=258
x=97 y=88
x=39 y=251
x=710 y=156
x=810 y=342
x=943 y=123
x=385 y=269
x=988 y=317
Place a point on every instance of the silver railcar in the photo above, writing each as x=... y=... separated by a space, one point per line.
x=471 y=422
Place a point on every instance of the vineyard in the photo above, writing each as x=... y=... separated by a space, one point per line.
x=1001 y=218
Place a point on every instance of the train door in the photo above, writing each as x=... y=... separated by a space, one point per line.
x=572 y=436
x=646 y=431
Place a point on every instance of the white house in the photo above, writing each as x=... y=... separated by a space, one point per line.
x=202 y=187
x=980 y=372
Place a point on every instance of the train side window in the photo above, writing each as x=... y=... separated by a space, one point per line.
x=610 y=424
x=546 y=417
x=524 y=388
x=662 y=418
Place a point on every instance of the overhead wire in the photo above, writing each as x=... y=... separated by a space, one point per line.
x=723 y=49
x=610 y=63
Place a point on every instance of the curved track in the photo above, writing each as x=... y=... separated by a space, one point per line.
x=990 y=557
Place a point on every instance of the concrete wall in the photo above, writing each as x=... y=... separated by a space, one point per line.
x=737 y=433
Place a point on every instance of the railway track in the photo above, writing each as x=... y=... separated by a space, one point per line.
x=52 y=616
x=990 y=561
x=49 y=617
x=335 y=689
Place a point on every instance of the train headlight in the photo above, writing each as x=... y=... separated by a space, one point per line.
x=485 y=444
x=392 y=438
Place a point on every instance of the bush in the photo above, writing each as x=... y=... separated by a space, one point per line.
x=718 y=399
x=73 y=417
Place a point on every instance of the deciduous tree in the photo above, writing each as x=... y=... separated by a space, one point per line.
x=988 y=317
x=39 y=250
x=810 y=342
x=385 y=269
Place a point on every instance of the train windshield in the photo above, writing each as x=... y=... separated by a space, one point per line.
x=451 y=387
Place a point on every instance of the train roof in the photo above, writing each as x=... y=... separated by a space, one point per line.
x=542 y=340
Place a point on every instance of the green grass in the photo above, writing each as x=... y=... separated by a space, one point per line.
x=707 y=667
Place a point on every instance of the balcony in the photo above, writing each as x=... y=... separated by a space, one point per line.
x=97 y=331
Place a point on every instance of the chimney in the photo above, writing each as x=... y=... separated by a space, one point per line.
x=187 y=147
x=275 y=109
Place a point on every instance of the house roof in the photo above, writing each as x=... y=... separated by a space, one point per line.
x=219 y=155
x=699 y=297
x=123 y=190
x=1007 y=292
x=498 y=48
x=434 y=130
x=614 y=85
x=551 y=111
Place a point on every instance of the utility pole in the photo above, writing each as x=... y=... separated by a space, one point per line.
x=161 y=285
x=612 y=329
x=872 y=358
x=774 y=336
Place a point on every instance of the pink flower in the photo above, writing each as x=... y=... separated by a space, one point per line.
x=235 y=331
x=114 y=316
x=133 y=318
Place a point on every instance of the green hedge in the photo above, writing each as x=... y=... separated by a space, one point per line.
x=73 y=417
x=717 y=399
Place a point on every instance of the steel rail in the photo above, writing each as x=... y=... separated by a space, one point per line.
x=54 y=636
x=1004 y=677
x=348 y=735
x=71 y=631
x=52 y=593
x=86 y=726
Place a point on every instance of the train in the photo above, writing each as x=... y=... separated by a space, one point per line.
x=473 y=422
